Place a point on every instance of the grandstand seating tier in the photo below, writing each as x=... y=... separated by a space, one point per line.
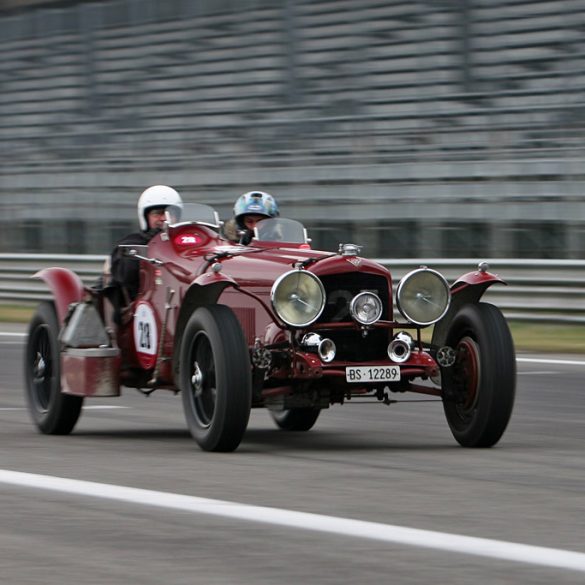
x=451 y=104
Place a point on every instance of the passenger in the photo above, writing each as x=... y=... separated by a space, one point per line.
x=125 y=270
x=249 y=209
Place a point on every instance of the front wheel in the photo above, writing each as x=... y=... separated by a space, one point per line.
x=296 y=419
x=215 y=378
x=479 y=389
x=53 y=412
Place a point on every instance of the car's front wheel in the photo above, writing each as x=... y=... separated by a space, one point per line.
x=53 y=412
x=215 y=378
x=479 y=389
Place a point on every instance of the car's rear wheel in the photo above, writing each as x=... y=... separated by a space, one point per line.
x=53 y=412
x=296 y=419
x=479 y=389
x=215 y=378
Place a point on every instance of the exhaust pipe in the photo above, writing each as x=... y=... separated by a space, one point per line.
x=400 y=347
x=325 y=347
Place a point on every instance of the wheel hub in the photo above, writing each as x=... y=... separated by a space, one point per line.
x=39 y=368
x=197 y=380
x=469 y=373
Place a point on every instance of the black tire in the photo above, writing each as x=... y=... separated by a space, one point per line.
x=215 y=378
x=479 y=389
x=53 y=412
x=296 y=419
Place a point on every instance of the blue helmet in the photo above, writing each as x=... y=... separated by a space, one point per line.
x=255 y=203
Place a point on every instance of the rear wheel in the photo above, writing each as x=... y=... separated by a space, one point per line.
x=479 y=389
x=53 y=412
x=215 y=378
x=296 y=419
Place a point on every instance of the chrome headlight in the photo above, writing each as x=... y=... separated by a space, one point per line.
x=423 y=296
x=298 y=298
x=366 y=308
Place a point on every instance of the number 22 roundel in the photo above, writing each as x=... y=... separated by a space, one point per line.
x=145 y=335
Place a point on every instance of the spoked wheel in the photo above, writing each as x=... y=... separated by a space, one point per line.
x=215 y=378
x=53 y=413
x=479 y=389
x=296 y=419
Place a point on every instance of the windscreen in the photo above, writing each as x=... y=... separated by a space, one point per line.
x=192 y=213
x=279 y=229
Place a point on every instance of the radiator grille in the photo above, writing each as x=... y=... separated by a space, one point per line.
x=340 y=289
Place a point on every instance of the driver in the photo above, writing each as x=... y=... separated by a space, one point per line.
x=125 y=270
x=249 y=209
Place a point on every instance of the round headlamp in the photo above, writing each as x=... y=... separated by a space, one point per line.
x=366 y=308
x=298 y=298
x=423 y=296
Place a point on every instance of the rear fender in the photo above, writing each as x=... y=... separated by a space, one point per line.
x=65 y=286
x=468 y=288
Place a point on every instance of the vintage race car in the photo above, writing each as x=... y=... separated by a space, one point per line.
x=274 y=324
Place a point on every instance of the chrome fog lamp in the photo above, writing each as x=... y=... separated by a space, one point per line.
x=325 y=347
x=298 y=298
x=366 y=308
x=423 y=296
x=400 y=347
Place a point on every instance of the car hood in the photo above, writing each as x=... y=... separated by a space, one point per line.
x=261 y=267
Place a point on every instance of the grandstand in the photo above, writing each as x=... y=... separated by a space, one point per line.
x=419 y=128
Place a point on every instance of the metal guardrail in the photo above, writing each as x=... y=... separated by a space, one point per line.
x=537 y=290
x=17 y=285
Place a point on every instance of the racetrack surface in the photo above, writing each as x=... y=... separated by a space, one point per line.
x=396 y=466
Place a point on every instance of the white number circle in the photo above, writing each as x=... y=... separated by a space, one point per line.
x=145 y=333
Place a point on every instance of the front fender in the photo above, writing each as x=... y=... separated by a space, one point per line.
x=468 y=288
x=66 y=287
x=205 y=290
x=214 y=278
x=480 y=279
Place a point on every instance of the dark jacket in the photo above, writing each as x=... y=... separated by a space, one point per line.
x=126 y=269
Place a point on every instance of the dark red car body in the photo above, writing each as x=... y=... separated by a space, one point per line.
x=206 y=306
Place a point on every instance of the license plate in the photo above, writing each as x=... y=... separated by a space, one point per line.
x=357 y=374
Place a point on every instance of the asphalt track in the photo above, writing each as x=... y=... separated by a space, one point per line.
x=373 y=494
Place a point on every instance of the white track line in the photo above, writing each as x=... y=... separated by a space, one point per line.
x=96 y=407
x=549 y=361
x=522 y=553
x=104 y=407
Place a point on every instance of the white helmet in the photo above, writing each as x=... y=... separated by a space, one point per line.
x=156 y=196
